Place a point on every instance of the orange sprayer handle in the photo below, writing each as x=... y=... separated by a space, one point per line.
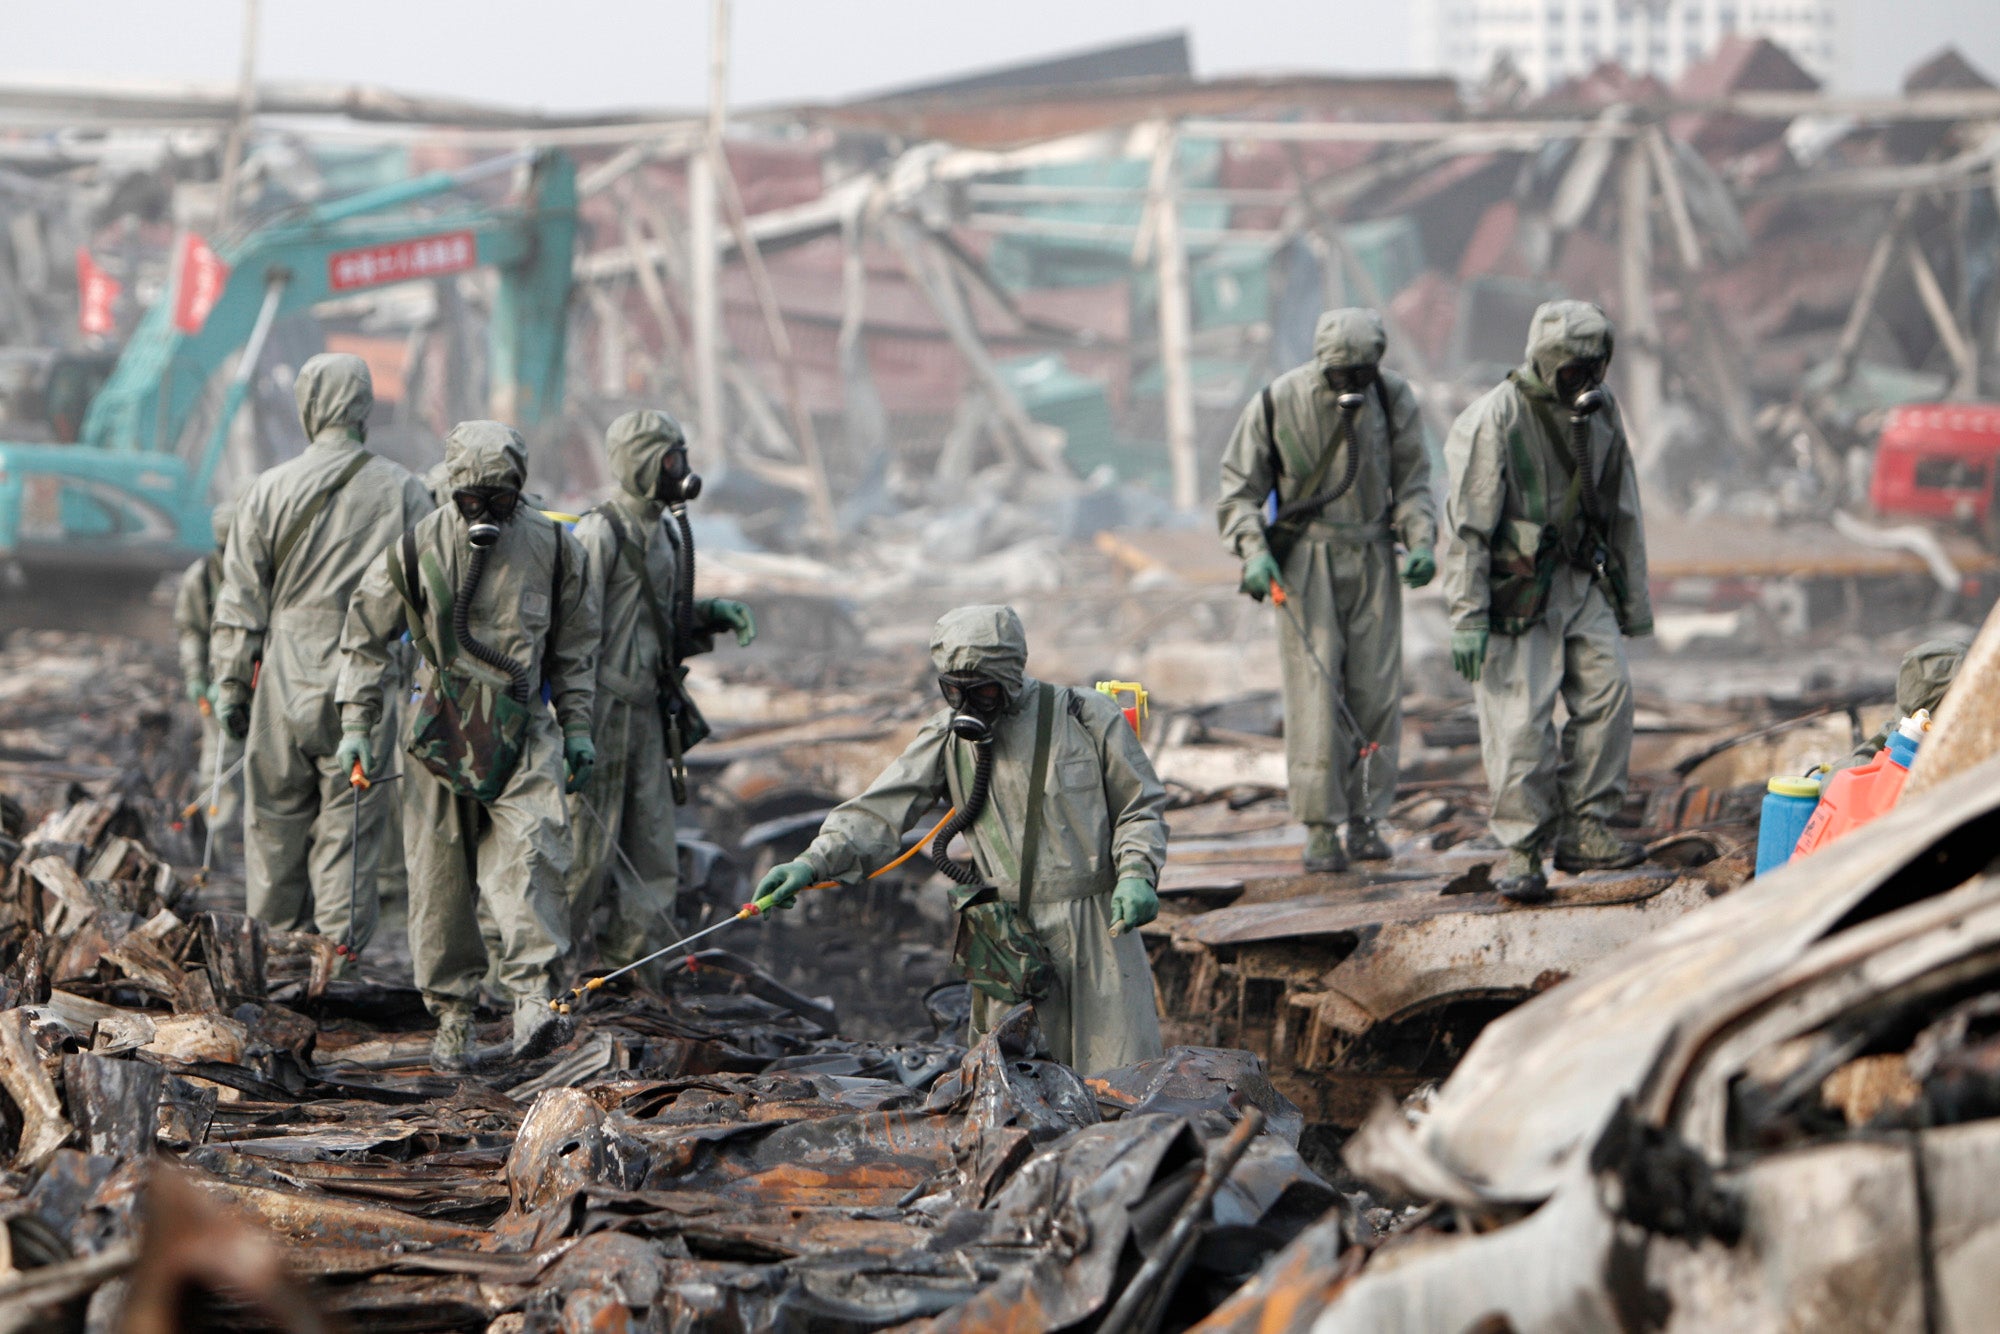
x=358 y=778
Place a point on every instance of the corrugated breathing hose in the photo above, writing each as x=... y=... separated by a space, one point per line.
x=975 y=802
x=1350 y=407
x=461 y=627
x=685 y=612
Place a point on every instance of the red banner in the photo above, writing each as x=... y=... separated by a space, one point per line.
x=96 y=297
x=401 y=261
x=203 y=275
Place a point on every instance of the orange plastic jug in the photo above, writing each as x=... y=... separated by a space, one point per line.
x=1855 y=796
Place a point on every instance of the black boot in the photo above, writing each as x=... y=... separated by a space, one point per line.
x=1521 y=879
x=1364 y=844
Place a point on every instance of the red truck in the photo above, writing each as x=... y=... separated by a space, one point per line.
x=1936 y=461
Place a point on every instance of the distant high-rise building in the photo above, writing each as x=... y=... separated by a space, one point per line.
x=1550 y=40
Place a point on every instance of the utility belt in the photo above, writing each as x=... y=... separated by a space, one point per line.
x=309 y=620
x=1329 y=532
x=626 y=689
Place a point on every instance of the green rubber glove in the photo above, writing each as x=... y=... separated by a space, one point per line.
x=1468 y=651
x=1134 y=903
x=354 y=748
x=233 y=704
x=1639 y=631
x=580 y=755
x=1420 y=566
x=1259 y=573
x=197 y=690
x=781 y=885
x=737 y=617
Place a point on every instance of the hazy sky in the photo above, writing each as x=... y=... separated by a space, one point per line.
x=604 y=53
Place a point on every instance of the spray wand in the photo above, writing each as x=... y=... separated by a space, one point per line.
x=755 y=908
x=1365 y=748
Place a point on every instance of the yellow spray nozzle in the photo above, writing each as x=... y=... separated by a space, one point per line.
x=1115 y=690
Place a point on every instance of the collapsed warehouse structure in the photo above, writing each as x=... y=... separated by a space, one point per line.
x=862 y=306
x=969 y=341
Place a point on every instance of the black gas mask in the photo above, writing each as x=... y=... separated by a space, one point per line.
x=975 y=702
x=677 y=484
x=484 y=509
x=1577 y=384
x=1349 y=380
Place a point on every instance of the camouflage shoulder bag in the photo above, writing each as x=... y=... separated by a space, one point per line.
x=468 y=730
x=996 y=948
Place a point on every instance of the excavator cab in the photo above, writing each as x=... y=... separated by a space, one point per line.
x=97 y=503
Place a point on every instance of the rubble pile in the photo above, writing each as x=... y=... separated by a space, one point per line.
x=716 y=1160
x=96 y=710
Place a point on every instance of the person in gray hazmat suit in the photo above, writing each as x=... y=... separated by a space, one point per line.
x=651 y=625
x=494 y=594
x=1341 y=442
x=1089 y=851
x=194 y=622
x=305 y=532
x=1544 y=571
x=1924 y=675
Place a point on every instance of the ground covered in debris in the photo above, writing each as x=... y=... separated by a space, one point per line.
x=718 y=1158
x=794 y=1136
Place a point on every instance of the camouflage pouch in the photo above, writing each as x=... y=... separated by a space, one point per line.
x=469 y=732
x=996 y=950
x=1523 y=571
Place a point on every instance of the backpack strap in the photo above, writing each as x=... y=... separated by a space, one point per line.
x=1031 y=831
x=405 y=572
x=1271 y=439
x=629 y=553
x=302 y=522
x=555 y=606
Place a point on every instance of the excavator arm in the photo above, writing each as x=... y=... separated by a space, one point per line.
x=131 y=500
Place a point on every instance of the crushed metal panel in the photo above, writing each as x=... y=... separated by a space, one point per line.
x=1544 y=1078
x=1407 y=965
x=1832 y=1241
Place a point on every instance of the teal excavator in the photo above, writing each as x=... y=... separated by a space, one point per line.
x=102 y=519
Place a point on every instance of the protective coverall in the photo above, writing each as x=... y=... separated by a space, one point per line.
x=1926 y=673
x=1544 y=593
x=629 y=801
x=194 y=620
x=509 y=854
x=1340 y=578
x=1102 y=821
x=303 y=538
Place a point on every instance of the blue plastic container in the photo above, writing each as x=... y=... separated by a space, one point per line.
x=1788 y=804
x=1902 y=749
